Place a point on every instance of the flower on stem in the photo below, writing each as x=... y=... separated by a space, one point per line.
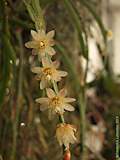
x=65 y=134
x=42 y=43
x=48 y=73
x=56 y=103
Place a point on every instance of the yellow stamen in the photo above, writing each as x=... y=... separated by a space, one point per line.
x=55 y=101
x=47 y=72
x=42 y=44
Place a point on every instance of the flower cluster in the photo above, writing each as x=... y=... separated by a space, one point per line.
x=55 y=101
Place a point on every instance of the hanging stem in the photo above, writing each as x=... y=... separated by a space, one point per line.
x=82 y=104
x=74 y=17
x=19 y=97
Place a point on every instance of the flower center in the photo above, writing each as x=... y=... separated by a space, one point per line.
x=47 y=72
x=55 y=101
x=42 y=44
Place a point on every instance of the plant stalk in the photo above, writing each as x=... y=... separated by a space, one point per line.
x=19 y=98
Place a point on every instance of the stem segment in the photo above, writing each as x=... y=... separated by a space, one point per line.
x=82 y=104
x=19 y=97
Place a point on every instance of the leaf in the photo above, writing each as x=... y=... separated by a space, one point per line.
x=6 y=50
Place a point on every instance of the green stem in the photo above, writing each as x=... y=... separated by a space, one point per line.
x=83 y=102
x=61 y=119
x=82 y=109
x=4 y=55
x=55 y=87
x=7 y=51
x=97 y=18
x=77 y=23
x=18 y=101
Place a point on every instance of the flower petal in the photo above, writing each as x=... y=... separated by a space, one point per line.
x=56 y=76
x=60 y=110
x=51 y=42
x=56 y=64
x=43 y=107
x=35 y=35
x=63 y=73
x=34 y=52
x=65 y=134
x=45 y=62
x=73 y=128
x=69 y=107
x=42 y=100
x=38 y=77
x=31 y=44
x=50 y=51
x=51 y=34
x=41 y=33
x=73 y=139
x=36 y=70
x=50 y=93
x=43 y=83
x=69 y=99
x=63 y=92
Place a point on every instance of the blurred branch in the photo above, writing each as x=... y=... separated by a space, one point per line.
x=97 y=18
x=77 y=23
x=19 y=97
x=7 y=51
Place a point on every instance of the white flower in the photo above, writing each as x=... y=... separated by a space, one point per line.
x=42 y=43
x=56 y=103
x=48 y=73
x=65 y=134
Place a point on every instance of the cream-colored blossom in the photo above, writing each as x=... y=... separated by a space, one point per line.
x=42 y=43
x=48 y=72
x=65 y=134
x=56 y=103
